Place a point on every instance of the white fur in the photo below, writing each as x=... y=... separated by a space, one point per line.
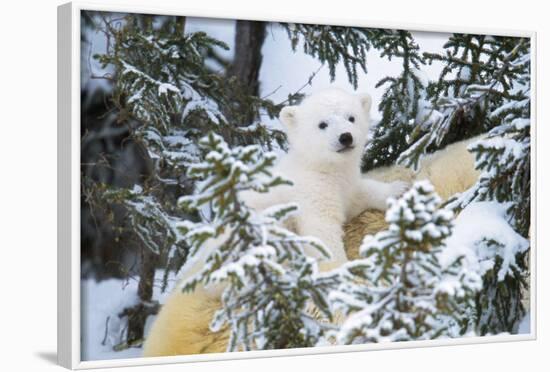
x=327 y=182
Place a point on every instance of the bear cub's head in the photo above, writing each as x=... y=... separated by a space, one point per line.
x=330 y=126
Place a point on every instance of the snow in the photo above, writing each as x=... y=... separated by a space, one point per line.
x=165 y=87
x=102 y=301
x=105 y=300
x=478 y=222
x=521 y=123
x=510 y=146
x=427 y=116
x=377 y=304
x=512 y=105
x=525 y=324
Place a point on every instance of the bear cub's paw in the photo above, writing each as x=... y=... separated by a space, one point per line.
x=398 y=188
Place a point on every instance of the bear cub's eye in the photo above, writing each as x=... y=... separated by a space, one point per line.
x=352 y=119
x=323 y=125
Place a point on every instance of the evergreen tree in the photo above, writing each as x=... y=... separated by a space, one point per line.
x=499 y=306
x=270 y=281
x=167 y=97
x=504 y=159
x=485 y=87
x=401 y=289
x=403 y=104
x=478 y=76
x=334 y=44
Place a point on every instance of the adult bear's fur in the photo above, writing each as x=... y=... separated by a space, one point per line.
x=450 y=170
x=182 y=326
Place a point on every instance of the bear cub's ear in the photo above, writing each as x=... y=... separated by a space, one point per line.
x=288 y=116
x=366 y=102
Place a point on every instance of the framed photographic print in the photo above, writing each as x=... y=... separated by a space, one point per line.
x=234 y=188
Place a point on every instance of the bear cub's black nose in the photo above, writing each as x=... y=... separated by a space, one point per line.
x=346 y=139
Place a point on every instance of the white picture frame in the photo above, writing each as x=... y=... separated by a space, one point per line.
x=69 y=336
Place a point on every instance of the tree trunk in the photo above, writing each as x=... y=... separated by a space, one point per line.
x=137 y=315
x=245 y=69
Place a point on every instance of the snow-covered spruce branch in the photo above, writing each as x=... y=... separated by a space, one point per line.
x=271 y=285
x=402 y=289
x=504 y=160
x=168 y=97
x=404 y=103
x=488 y=76
x=489 y=92
x=504 y=157
x=162 y=82
x=496 y=252
x=334 y=44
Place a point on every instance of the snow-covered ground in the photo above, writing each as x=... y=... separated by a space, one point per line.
x=101 y=302
x=525 y=324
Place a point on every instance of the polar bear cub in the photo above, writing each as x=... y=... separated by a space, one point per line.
x=327 y=134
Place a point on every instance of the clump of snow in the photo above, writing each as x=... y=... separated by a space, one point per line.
x=165 y=87
x=475 y=226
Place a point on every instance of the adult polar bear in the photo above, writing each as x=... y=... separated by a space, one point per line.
x=327 y=133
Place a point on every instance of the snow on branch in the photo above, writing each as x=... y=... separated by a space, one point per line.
x=489 y=76
x=271 y=284
x=402 y=289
